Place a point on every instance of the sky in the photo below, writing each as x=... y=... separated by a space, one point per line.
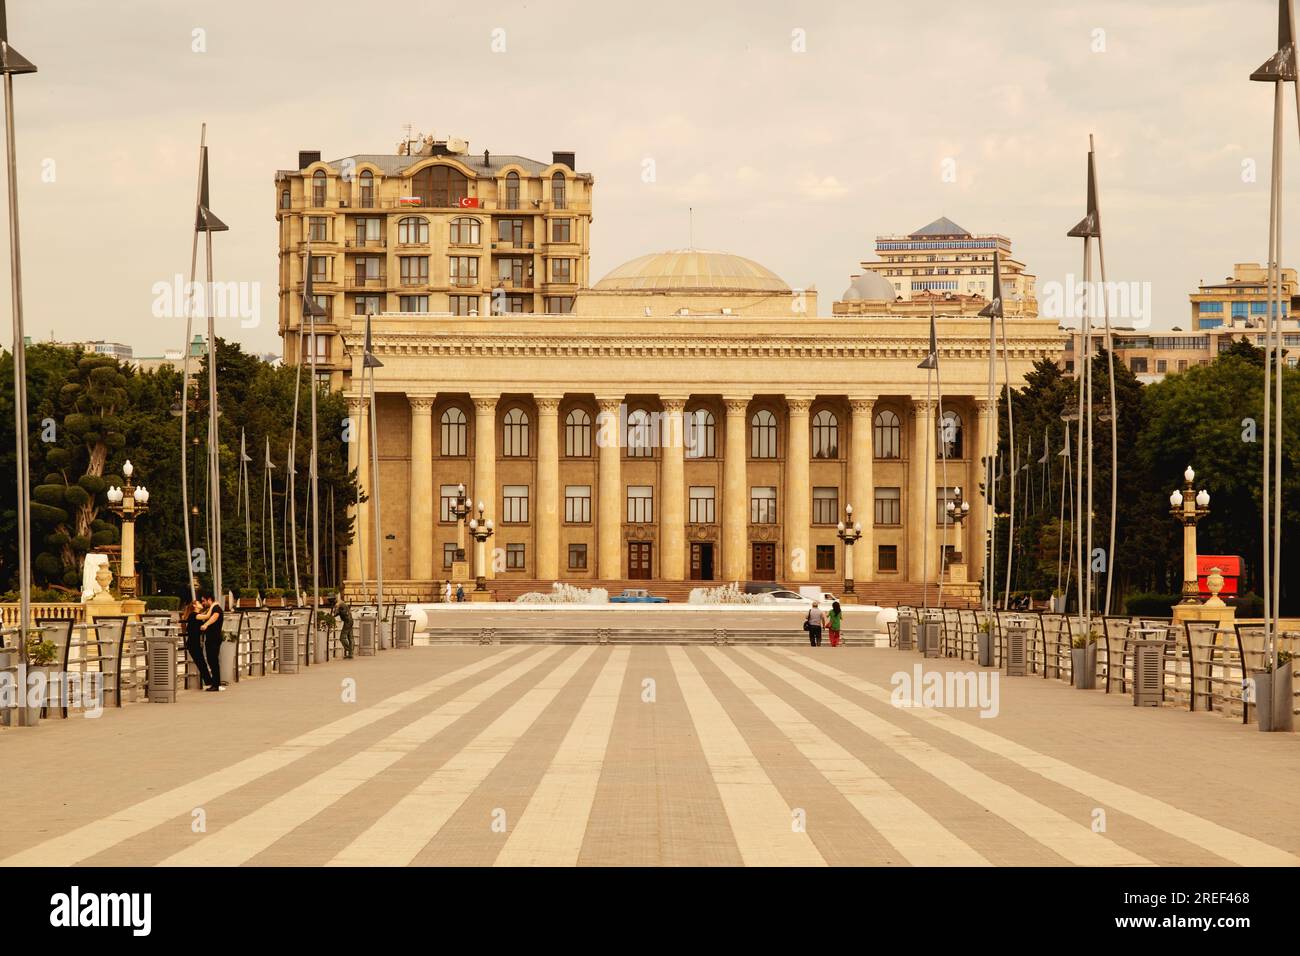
x=796 y=132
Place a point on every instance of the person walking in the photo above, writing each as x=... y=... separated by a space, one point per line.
x=833 y=621
x=213 y=619
x=192 y=625
x=460 y=593
x=813 y=624
x=446 y=593
x=344 y=611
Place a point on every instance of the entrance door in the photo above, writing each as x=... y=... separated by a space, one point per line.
x=764 y=560
x=701 y=560
x=638 y=560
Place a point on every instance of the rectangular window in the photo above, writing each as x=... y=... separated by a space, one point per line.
x=762 y=505
x=1138 y=365
x=367 y=230
x=561 y=230
x=415 y=270
x=463 y=270
x=640 y=504
x=515 y=504
x=447 y=495
x=514 y=557
x=462 y=304
x=448 y=555
x=1162 y=366
x=559 y=304
x=413 y=303
x=366 y=305
x=1239 y=310
x=577 y=504
x=320 y=268
x=510 y=231
x=368 y=269
x=825 y=557
x=702 y=498
x=941 y=498
x=887 y=506
x=577 y=557
x=1210 y=307
x=318 y=229
x=562 y=270
x=826 y=505
x=887 y=558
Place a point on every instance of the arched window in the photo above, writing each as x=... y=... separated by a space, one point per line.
x=698 y=434
x=318 y=188
x=464 y=231
x=512 y=190
x=825 y=435
x=948 y=443
x=888 y=435
x=440 y=186
x=412 y=230
x=453 y=433
x=557 y=190
x=284 y=199
x=640 y=441
x=577 y=434
x=762 y=435
x=367 y=198
x=515 y=443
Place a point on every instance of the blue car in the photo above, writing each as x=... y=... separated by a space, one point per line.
x=637 y=596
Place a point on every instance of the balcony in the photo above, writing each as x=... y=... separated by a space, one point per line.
x=365 y=282
x=463 y=282
x=523 y=283
x=356 y=242
x=503 y=246
x=407 y=281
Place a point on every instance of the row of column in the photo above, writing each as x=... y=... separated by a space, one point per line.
x=921 y=499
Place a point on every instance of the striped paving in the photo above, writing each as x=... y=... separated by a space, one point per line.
x=560 y=756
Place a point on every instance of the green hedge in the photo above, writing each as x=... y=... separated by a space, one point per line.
x=1249 y=604
x=1151 y=605
x=162 y=602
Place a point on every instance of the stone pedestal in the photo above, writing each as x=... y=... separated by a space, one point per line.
x=1222 y=615
x=460 y=573
x=481 y=595
x=956 y=573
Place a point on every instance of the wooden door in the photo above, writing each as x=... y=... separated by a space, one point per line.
x=639 y=560
x=764 y=561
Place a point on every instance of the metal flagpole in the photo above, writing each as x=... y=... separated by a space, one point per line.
x=1060 y=521
x=1011 y=446
x=185 y=368
x=244 y=502
x=207 y=223
x=311 y=310
x=370 y=363
x=931 y=364
x=270 y=505
x=11 y=63
x=991 y=312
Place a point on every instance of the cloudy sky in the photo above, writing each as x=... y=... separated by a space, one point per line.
x=797 y=132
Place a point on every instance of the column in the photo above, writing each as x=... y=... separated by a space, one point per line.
x=862 y=485
x=485 y=463
x=672 y=492
x=735 y=494
x=798 y=493
x=422 y=496
x=548 y=487
x=358 y=461
x=922 y=531
x=975 y=547
x=610 y=506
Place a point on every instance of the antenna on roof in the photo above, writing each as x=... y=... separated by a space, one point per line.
x=690 y=228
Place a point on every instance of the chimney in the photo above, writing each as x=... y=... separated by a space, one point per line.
x=307 y=156
x=487 y=158
x=564 y=158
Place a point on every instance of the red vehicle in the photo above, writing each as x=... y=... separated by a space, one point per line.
x=1229 y=566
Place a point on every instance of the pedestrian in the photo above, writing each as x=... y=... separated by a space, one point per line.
x=192 y=625
x=446 y=593
x=834 y=620
x=345 y=636
x=460 y=592
x=213 y=619
x=813 y=624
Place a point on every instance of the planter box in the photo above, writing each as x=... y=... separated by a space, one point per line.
x=1083 y=663
x=43 y=694
x=247 y=602
x=275 y=602
x=984 y=641
x=320 y=645
x=1274 y=700
x=226 y=659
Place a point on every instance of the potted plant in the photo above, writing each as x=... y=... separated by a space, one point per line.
x=248 y=597
x=325 y=624
x=42 y=658
x=984 y=639
x=1083 y=660
x=275 y=598
x=1275 y=694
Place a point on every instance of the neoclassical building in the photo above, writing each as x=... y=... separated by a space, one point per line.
x=691 y=419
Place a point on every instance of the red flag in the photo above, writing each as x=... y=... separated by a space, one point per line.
x=468 y=202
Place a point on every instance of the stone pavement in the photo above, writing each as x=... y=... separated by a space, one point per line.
x=561 y=755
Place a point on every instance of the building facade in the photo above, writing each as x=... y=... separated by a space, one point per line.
x=1241 y=299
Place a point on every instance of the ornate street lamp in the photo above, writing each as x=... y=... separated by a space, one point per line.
x=1189 y=506
x=459 y=508
x=848 y=531
x=957 y=509
x=481 y=530
x=128 y=503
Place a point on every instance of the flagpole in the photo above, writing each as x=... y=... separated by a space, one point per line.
x=369 y=361
x=185 y=370
x=1112 y=544
x=311 y=309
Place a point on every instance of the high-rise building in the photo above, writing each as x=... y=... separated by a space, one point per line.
x=428 y=230
x=940 y=264
x=1241 y=298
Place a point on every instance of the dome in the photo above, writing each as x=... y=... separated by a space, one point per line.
x=869 y=285
x=691 y=270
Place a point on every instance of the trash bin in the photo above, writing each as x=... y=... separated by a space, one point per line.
x=931 y=635
x=1017 y=660
x=286 y=636
x=405 y=631
x=984 y=642
x=366 y=637
x=1148 y=673
x=160 y=663
x=906 y=630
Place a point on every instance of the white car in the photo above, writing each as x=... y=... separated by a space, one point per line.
x=826 y=599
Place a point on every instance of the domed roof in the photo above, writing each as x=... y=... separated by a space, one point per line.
x=691 y=270
x=869 y=285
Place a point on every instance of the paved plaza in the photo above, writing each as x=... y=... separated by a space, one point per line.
x=590 y=755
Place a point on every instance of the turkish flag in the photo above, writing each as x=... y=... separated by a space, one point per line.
x=468 y=202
